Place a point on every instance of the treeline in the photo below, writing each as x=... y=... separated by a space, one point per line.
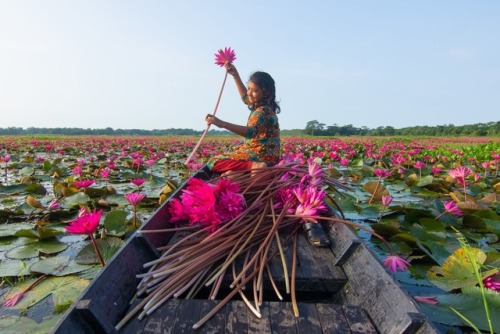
x=105 y=131
x=315 y=128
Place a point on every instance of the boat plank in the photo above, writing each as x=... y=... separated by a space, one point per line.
x=359 y=322
x=187 y=315
x=317 y=263
x=237 y=318
x=161 y=322
x=332 y=318
x=262 y=324
x=308 y=322
x=217 y=323
x=282 y=318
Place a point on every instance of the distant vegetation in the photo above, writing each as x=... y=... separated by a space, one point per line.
x=313 y=128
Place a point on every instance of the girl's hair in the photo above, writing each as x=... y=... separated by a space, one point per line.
x=266 y=83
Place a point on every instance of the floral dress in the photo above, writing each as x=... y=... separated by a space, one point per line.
x=262 y=141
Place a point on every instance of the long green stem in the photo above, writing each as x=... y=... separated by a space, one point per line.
x=374 y=192
x=96 y=248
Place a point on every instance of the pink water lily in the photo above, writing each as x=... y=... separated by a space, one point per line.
x=386 y=200
x=419 y=164
x=492 y=282
x=54 y=205
x=14 y=299
x=138 y=182
x=395 y=262
x=225 y=56
x=134 y=198
x=460 y=174
x=430 y=300
x=311 y=203
x=105 y=173
x=381 y=173
x=435 y=170
x=207 y=204
x=450 y=207
x=87 y=223
x=77 y=171
x=83 y=183
x=315 y=175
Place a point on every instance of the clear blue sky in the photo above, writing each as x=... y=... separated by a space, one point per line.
x=150 y=64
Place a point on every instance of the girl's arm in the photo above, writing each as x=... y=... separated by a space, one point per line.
x=242 y=90
x=240 y=130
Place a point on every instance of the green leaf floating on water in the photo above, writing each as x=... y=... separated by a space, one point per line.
x=64 y=291
x=457 y=271
x=36 y=188
x=58 y=266
x=47 y=246
x=11 y=229
x=39 y=233
x=14 y=268
x=377 y=188
x=75 y=200
x=424 y=181
x=470 y=304
x=115 y=223
x=108 y=248
x=370 y=212
x=12 y=189
x=16 y=324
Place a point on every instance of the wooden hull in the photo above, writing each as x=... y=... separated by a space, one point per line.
x=341 y=289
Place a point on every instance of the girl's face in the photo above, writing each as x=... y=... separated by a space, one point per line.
x=255 y=93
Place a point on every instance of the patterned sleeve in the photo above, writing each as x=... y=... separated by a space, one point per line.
x=256 y=121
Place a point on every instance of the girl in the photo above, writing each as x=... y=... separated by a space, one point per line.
x=261 y=135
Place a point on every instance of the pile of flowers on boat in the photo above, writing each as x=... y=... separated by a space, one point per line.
x=222 y=220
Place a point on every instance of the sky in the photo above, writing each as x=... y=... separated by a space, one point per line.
x=150 y=64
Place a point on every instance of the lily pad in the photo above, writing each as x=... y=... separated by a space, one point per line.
x=64 y=291
x=115 y=223
x=470 y=304
x=11 y=229
x=75 y=200
x=14 y=268
x=108 y=247
x=27 y=171
x=39 y=233
x=375 y=188
x=17 y=324
x=36 y=188
x=457 y=271
x=12 y=189
x=47 y=246
x=57 y=266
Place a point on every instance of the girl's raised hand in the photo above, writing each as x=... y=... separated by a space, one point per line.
x=231 y=69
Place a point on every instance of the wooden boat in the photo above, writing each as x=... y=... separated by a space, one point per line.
x=341 y=289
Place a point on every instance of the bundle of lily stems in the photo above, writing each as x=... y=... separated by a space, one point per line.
x=278 y=201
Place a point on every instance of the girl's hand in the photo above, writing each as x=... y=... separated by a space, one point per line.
x=211 y=119
x=231 y=69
